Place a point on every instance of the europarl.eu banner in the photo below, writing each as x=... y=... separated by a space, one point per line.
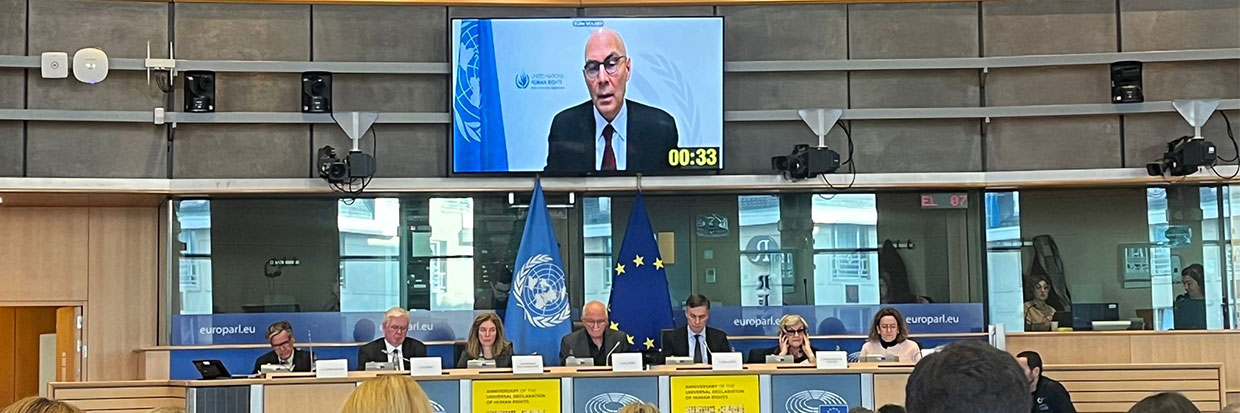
x=640 y=305
x=478 y=124
x=538 y=308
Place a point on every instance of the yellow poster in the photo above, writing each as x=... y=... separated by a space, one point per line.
x=715 y=394
x=517 y=396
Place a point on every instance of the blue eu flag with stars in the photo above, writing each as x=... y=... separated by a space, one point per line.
x=538 y=308
x=640 y=305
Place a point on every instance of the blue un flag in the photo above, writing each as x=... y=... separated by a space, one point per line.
x=478 y=124
x=538 y=308
x=640 y=305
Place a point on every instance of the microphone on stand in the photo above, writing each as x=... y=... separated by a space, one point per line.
x=608 y=357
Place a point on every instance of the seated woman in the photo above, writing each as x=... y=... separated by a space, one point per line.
x=487 y=342
x=1039 y=314
x=889 y=336
x=793 y=341
x=1190 y=307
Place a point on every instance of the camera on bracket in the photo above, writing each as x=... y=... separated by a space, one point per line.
x=339 y=170
x=1184 y=155
x=806 y=162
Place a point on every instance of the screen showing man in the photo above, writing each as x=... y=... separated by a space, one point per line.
x=609 y=132
x=587 y=96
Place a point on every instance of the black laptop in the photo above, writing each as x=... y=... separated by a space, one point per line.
x=212 y=369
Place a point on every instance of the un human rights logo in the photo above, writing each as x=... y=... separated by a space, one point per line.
x=541 y=292
x=467 y=98
x=609 y=402
x=523 y=80
x=815 y=401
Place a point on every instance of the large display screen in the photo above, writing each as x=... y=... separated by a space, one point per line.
x=587 y=96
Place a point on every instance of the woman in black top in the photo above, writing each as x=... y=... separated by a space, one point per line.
x=1190 y=307
x=486 y=341
x=793 y=341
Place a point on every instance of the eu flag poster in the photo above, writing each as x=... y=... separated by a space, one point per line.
x=538 y=308
x=640 y=304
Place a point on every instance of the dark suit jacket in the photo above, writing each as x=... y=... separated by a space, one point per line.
x=676 y=342
x=301 y=360
x=377 y=351
x=502 y=360
x=651 y=133
x=577 y=344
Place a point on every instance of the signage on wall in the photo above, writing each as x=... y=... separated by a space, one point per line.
x=945 y=200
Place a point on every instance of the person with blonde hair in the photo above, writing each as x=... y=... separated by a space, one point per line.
x=388 y=394
x=37 y=404
x=793 y=341
x=486 y=341
x=394 y=347
x=639 y=407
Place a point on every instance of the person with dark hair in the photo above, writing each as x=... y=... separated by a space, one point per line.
x=892 y=408
x=967 y=376
x=1165 y=403
x=1048 y=395
x=889 y=336
x=696 y=340
x=1038 y=314
x=1190 y=307
x=283 y=351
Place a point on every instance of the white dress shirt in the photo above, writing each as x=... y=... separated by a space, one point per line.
x=394 y=355
x=693 y=343
x=619 y=144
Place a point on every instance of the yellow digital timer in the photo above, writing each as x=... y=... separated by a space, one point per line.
x=693 y=158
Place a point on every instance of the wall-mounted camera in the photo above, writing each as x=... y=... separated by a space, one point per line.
x=806 y=162
x=344 y=169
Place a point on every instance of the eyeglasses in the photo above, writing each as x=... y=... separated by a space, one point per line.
x=594 y=322
x=796 y=331
x=284 y=343
x=888 y=327
x=399 y=329
x=611 y=64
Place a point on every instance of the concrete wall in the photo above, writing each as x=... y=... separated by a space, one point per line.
x=784 y=32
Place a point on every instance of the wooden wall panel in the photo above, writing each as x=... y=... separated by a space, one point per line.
x=121 y=310
x=44 y=254
x=889 y=389
x=8 y=325
x=306 y=398
x=31 y=322
x=1137 y=347
x=1070 y=349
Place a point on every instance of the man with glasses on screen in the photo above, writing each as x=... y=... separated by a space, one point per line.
x=609 y=132
x=283 y=350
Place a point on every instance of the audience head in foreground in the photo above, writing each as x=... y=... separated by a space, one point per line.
x=967 y=376
x=638 y=407
x=1164 y=403
x=39 y=405
x=388 y=394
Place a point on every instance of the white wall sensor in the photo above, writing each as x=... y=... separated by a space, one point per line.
x=90 y=65
x=55 y=65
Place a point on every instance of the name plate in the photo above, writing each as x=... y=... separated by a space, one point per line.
x=332 y=369
x=832 y=359
x=726 y=361
x=527 y=365
x=626 y=362
x=425 y=366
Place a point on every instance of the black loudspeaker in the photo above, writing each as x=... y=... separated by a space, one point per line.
x=199 y=91
x=1126 y=82
x=316 y=92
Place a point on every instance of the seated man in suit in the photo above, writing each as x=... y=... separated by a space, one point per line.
x=609 y=132
x=283 y=351
x=596 y=340
x=696 y=340
x=394 y=346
